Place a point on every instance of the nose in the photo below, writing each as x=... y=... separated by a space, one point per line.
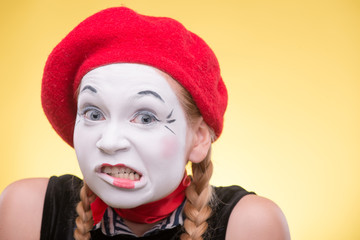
x=112 y=140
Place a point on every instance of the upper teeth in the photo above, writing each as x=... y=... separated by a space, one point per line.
x=121 y=172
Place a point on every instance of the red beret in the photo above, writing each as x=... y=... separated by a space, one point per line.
x=120 y=35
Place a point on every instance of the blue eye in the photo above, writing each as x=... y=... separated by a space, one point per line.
x=93 y=114
x=144 y=117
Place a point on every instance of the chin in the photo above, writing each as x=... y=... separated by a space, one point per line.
x=125 y=200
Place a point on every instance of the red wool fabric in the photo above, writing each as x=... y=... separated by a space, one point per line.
x=120 y=35
x=147 y=213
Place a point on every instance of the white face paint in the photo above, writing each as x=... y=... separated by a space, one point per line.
x=130 y=134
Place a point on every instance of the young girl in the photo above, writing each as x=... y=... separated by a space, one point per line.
x=138 y=97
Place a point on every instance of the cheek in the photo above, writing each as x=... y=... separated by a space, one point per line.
x=170 y=147
x=84 y=145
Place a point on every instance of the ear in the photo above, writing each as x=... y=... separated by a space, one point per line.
x=201 y=142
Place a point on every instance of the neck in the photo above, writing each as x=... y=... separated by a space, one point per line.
x=139 y=228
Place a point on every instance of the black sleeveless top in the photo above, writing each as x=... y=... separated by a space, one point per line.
x=62 y=195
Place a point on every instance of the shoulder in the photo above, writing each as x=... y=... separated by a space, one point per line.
x=230 y=195
x=60 y=186
x=256 y=217
x=21 y=206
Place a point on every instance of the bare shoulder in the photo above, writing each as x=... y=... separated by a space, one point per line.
x=256 y=217
x=21 y=207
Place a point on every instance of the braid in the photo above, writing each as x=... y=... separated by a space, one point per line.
x=198 y=194
x=84 y=221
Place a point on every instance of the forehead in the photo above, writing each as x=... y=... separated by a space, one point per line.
x=127 y=75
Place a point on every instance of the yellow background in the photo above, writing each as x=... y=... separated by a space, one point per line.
x=292 y=129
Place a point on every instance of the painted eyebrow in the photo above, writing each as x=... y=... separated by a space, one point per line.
x=90 y=88
x=149 y=92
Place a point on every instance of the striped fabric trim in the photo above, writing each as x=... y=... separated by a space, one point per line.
x=112 y=224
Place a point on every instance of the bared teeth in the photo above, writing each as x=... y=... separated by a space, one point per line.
x=107 y=170
x=115 y=171
x=121 y=172
x=137 y=176
x=131 y=176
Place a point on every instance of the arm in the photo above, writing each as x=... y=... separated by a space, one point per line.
x=21 y=208
x=257 y=218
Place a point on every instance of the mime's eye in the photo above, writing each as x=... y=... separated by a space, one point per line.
x=144 y=117
x=93 y=114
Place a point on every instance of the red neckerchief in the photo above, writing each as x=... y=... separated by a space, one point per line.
x=147 y=213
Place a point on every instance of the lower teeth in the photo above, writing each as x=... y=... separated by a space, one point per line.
x=130 y=176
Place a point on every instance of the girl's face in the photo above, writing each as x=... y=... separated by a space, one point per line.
x=130 y=135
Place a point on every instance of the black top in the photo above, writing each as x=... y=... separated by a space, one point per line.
x=62 y=195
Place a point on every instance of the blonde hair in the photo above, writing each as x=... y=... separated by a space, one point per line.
x=84 y=221
x=198 y=195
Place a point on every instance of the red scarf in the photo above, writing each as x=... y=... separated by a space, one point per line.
x=147 y=213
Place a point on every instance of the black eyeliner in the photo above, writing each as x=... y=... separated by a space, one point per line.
x=170 y=130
